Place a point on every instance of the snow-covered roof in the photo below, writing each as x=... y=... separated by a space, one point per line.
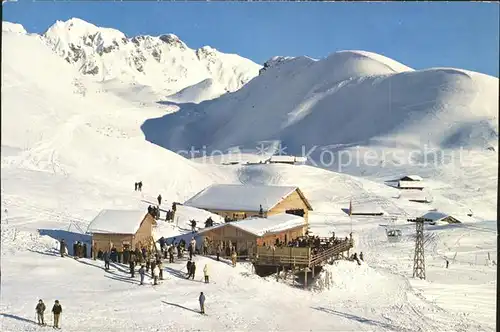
x=366 y=208
x=410 y=184
x=261 y=226
x=435 y=215
x=235 y=197
x=117 y=222
x=287 y=159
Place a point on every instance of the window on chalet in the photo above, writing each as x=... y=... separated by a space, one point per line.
x=296 y=212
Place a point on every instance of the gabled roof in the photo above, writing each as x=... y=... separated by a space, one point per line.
x=436 y=215
x=413 y=177
x=261 y=226
x=409 y=177
x=117 y=222
x=236 y=197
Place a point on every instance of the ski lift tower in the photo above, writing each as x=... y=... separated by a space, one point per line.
x=419 y=260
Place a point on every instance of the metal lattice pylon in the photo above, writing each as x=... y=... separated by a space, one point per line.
x=419 y=260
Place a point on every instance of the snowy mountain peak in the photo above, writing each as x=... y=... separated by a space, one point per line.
x=164 y=62
x=13 y=27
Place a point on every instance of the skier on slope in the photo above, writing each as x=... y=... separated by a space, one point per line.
x=57 y=311
x=40 y=309
x=159 y=199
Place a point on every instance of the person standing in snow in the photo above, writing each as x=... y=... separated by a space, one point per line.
x=193 y=225
x=57 y=311
x=447 y=263
x=132 y=268
x=361 y=256
x=202 y=302
x=139 y=185
x=142 y=272
x=136 y=186
x=40 y=309
x=205 y=272
x=107 y=258
x=193 y=270
x=190 y=249
x=233 y=258
x=156 y=274
x=188 y=267
x=159 y=199
x=152 y=263
x=193 y=244
x=62 y=247
x=205 y=246
x=171 y=254
x=159 y=264
x=219 y=249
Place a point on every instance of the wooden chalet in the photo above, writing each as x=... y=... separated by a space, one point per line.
x=407 y=182
x=238 y=202
x=291 y=160
x=433 y=217
x=121 y=228
x=245 y=235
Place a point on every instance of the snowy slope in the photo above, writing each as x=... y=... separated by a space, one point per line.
x=68 y=128
x=348 y=98
x=164 y=62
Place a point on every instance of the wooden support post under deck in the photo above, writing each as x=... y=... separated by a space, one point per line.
x=277 y=273
x=305 y=278
x=313 y=271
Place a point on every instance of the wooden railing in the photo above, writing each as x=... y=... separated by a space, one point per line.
x=283 y=256
x=298 y=256
x=330 y=252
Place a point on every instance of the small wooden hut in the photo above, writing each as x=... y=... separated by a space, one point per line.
x=245 y=235
x=120 y=228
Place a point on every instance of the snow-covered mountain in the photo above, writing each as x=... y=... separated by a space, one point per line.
x=72 y=146
x=163 y=63
x=13 y=27
x=350 y=97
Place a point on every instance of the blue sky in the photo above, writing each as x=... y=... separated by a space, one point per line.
x=420 y=35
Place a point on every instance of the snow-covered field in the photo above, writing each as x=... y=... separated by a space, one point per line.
x=72 y=146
